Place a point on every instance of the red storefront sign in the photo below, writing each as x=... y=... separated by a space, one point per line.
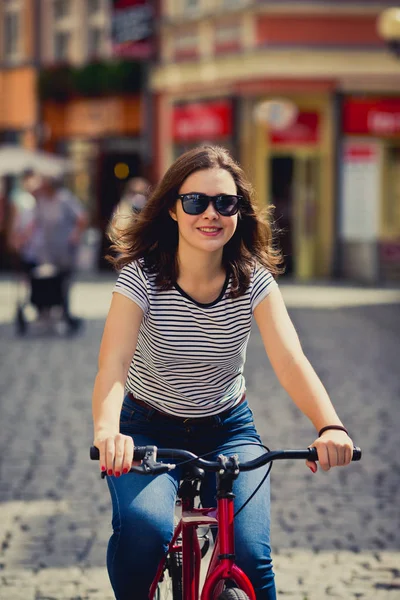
x=379 y=116
x=202 y=121
x=304 y=130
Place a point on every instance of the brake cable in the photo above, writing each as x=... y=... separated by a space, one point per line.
x=190 y=460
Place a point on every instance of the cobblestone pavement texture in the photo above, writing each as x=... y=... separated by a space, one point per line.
x=335 y=535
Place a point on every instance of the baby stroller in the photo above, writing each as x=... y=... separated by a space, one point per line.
x=46 y=292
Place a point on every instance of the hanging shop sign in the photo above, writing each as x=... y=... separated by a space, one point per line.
x=361 y=160
x=197 y=121
x=304 y=130
x=132 y=28
x=379 y=116
x=277 y=113
x=93 y=117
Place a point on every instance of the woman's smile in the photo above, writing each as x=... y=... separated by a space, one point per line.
x=210 y=231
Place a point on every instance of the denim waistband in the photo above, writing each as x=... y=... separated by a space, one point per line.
x=183 y=420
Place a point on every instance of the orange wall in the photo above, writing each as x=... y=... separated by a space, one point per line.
x=18 y=102
x=318 y=30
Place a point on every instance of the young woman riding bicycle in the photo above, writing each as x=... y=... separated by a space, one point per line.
x=195 y=266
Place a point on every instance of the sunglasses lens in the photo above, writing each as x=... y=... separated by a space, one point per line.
x=194 y=204
x=227 y=205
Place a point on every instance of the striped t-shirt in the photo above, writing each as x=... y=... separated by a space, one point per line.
x=189 y=356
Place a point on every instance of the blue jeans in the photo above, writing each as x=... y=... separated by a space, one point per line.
x=143 y=506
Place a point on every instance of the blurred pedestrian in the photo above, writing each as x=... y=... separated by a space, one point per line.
x=23 y=237
x=59 y=222
x=60 y=219
x=132 y=201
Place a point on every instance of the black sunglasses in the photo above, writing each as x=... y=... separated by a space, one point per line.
x=226 y=204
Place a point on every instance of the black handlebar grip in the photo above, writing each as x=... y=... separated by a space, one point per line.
x=94 y=453
x=313 y=456
x=140 y=452
x=356 y=454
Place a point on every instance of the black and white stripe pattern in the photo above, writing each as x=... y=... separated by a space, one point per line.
x=189 y=357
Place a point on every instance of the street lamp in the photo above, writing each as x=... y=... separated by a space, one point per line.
x=388 y=25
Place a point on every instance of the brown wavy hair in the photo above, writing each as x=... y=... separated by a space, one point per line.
x=152 y=235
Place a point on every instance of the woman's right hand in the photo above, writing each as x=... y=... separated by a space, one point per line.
x=116 y=453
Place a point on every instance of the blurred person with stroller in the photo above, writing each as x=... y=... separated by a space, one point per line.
x=60 y=221
x=55 y=232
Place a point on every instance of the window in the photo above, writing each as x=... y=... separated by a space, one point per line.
x=227 y=33
x=186 y=44
x=93 y=6
x=227 y=36
x=95 y=38
x=391 y=201
x=61 y=9
x=233 y=3
x=61 y=45
x=191 y=5
x=11 y=34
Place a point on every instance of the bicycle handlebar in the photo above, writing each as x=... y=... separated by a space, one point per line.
x=140 y=452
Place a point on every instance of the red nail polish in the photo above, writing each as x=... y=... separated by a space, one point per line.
x=103 y=468
x=117 y=473
x=109 y=472
x=125 y=470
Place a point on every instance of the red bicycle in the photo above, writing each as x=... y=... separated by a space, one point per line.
x=178 y=574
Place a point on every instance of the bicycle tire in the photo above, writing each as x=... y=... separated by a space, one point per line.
x=233 y=594
x=171 y=587
x=175 y=571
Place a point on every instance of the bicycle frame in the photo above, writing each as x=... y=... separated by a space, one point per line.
x=222 y=564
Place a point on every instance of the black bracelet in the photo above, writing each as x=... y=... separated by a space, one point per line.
x=327 y=427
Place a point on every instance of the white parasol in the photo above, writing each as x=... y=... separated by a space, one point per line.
x=14 y=160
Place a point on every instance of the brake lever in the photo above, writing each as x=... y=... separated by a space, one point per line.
x=150 y=466
x=153 y=469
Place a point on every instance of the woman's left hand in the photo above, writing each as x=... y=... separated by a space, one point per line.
x=335 y=449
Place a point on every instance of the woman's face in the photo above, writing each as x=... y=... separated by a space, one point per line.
x=208 y=231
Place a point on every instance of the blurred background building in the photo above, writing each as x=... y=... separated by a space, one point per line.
x=18 y=72
x=65 y=89
x=305 y=94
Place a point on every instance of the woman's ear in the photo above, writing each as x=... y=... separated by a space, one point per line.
x=172 y=213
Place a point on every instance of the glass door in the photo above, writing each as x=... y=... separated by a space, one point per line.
x=305 y=222
x=390 y=216
x=294 y=191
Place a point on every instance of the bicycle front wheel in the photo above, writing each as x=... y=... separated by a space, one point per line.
x=233 y=594
x=170 y=588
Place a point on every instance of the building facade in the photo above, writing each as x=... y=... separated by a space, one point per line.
x=63 y=89
x=19 y=118
x=306 y=95
x=90 y=104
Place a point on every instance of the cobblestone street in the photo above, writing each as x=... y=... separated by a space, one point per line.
x=335 y=535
